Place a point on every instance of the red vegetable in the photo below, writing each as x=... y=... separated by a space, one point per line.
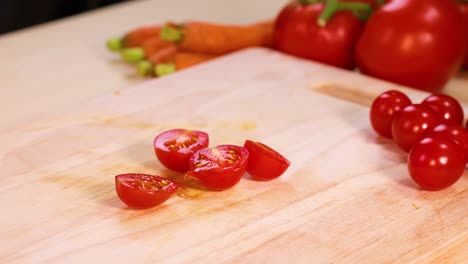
x=454 y=132
x=174 y=147
x=411 y=123
x=436 y=163
x=264 y=162
x=219 y=168
x=383 y=110
x=308 y=31
x=416 y=43
x=447 y=107
x=464 y=8
x=141 y=191
x=138 y=36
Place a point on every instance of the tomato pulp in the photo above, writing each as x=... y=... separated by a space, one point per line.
x=220 y=167
x=173 y=148
x=142 y=191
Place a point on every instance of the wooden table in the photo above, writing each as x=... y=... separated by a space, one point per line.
x=65 y=133
x=64 y=62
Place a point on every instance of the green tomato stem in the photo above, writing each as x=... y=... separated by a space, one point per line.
x=308 y=2
x=360 y=10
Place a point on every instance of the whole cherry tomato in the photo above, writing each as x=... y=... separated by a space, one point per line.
x=173 y=148
x=454 y=132
x=141 y=191
x=436 y=163
x=464 y=9
x=383 y=110
x=219 y=168
x=411 y=123
x=448 y=108
x=298 y=33
x=264 y=162
x=413 y=42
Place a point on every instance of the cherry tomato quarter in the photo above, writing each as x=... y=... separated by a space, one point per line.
x=383 y=110
x=264 y=162
x=447 y=107
x=142 y=191
x=297 y=32
x=173 y=148
x=454 y=132
x=436 y=163
x=411 y=123
x=420 y=44
x=220 y=167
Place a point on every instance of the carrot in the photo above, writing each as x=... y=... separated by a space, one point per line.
x=149 y=48
x=182 y=60
x=165 y=55
x=137 y=37
x=218 y=39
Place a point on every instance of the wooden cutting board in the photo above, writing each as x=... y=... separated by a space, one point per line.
x=347 y=196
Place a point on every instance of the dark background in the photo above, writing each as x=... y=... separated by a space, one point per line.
x=18 y=14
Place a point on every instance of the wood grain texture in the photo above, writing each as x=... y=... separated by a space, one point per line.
x=347 y=196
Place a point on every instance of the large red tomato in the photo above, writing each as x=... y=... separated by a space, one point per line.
x=464 y=9
x=418 y=43
x=298 y=33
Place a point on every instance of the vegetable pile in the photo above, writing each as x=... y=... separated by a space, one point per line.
x=431 y=132
x=163 y=49
x=420 y=44
x=216 y=168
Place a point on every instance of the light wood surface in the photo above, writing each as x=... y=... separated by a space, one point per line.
x=50 y=66
x=347 y=196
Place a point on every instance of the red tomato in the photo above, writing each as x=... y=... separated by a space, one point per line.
x=448 y=108
x=464 y=9
x=219 y=168
x=174 y=147
x=297 y=33
x=264 y=162
x=415 y=43
x=383 y=110
x=454 y=132
x=436 y=163
x=141 y=191
x=411 y=123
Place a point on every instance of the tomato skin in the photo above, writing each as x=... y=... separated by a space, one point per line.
x=420 y=44
x=452 y=131
x=436 y=163
x=412 y=123
x=464 y=9
x=264 y=162
x=447 y=107
x=383 y=110
x=142 y=191
x=170 y=151
x=219 y=168
x=296 y=32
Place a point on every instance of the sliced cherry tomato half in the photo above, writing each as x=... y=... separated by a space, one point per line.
x=264 y=162
x=447 y=107
x=436 y=163
x=219 y=168
x=174 y=147
x=142 y=191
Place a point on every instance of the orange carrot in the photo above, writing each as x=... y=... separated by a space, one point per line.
x=164 y=55
x=218 y=39
x=136 y=37
x=183 y=60
x=155 y=44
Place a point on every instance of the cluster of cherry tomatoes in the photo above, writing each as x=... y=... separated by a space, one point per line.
x=431 y=131
x=216 y=168
x=420 y=44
